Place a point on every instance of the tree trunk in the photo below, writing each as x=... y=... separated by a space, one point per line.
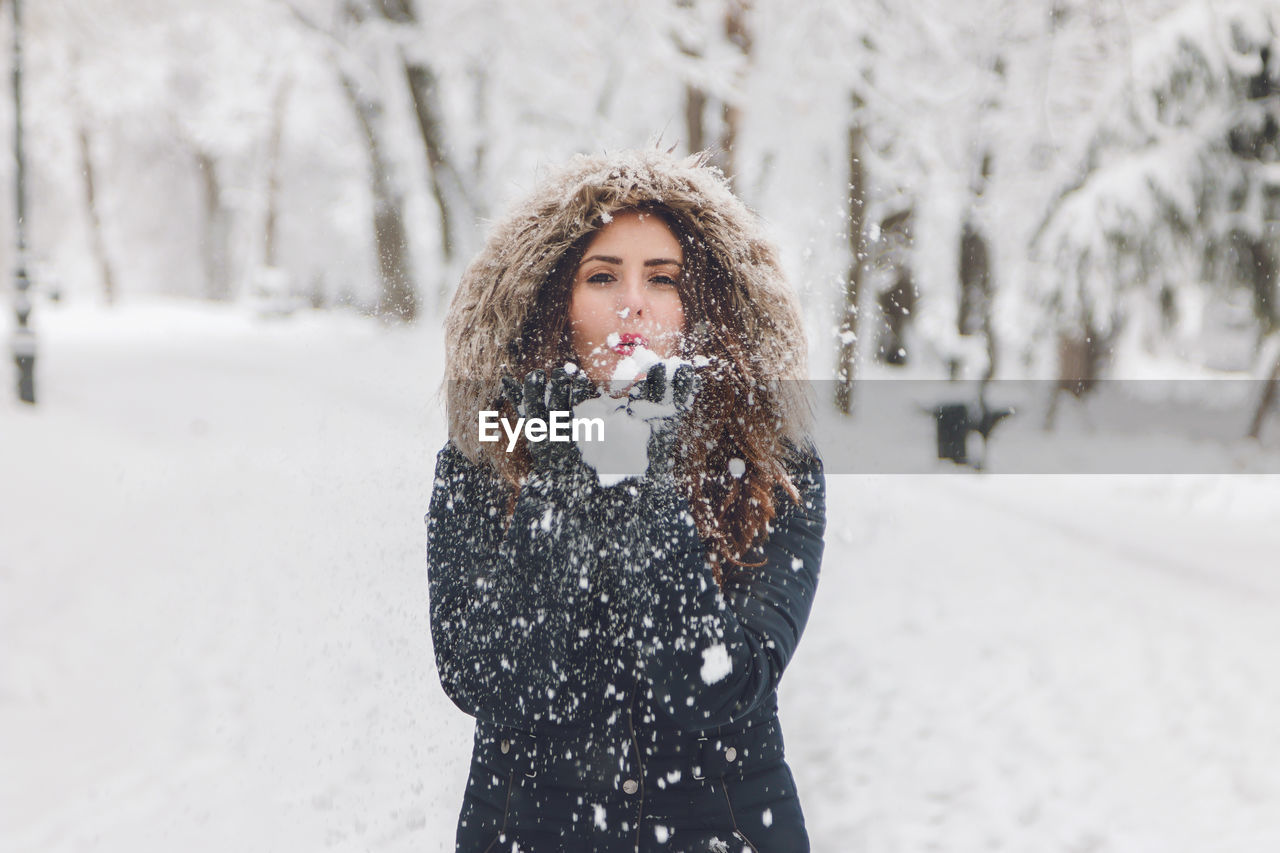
x=846 y=360
x=1266 y=401
x=480 y=153
x=448 y=189
x=397 y=298
x=1264 y=275
x=695 y=106
x=99 y=246
x=977 y=295
x=977 y=283
x=269 y=236
x=426 y=107
x=453 y=198
x=731 y=119
x=1080 y=361
x=896 y=305
x=695 y=98
x=975 y=272
x=993 y=342
x=737 y=34
x=215 y=244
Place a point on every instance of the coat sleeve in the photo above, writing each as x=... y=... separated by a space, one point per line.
x=712 y=656
x=513 y=606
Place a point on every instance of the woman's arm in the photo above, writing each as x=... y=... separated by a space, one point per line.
x=712 y=657
x=514 y=609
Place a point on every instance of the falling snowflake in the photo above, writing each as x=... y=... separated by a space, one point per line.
x=715 y=663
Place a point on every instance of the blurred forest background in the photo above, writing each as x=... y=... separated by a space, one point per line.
x=979 y=188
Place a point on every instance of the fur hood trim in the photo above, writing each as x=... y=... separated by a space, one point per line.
x=502 y=283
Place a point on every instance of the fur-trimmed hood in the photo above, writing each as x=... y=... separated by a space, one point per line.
x=501 y=285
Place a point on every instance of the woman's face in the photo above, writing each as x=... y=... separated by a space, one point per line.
x=624 y=294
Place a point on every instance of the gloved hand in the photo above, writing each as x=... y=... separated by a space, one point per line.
x=665 y=402
x=537 y=397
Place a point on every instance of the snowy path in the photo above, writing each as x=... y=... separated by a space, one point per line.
x=1022 y=668
x=213 y=624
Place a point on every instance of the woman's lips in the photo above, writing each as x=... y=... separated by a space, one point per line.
x=628 y=341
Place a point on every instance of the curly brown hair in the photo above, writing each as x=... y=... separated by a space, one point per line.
x=736 y=415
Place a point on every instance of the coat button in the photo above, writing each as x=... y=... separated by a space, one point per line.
x=731 y=754
x=505 y=747
x=631 y=786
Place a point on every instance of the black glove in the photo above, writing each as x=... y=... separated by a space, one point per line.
x=539 y=398
x=665 y=414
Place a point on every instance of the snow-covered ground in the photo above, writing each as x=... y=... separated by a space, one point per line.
x=213 y=622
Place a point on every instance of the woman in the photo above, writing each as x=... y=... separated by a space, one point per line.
x=620 y=645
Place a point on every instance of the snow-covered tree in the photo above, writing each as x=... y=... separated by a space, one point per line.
x=1178 y=195
x=935 y=122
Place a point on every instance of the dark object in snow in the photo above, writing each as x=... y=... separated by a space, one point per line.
x=955 y=423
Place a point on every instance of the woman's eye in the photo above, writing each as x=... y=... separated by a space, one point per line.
x=665 y=280
x=600 y=278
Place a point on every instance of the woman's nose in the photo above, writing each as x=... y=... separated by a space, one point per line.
x=633 y=298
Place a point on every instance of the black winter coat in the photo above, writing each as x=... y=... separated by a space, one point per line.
x=623 y=701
